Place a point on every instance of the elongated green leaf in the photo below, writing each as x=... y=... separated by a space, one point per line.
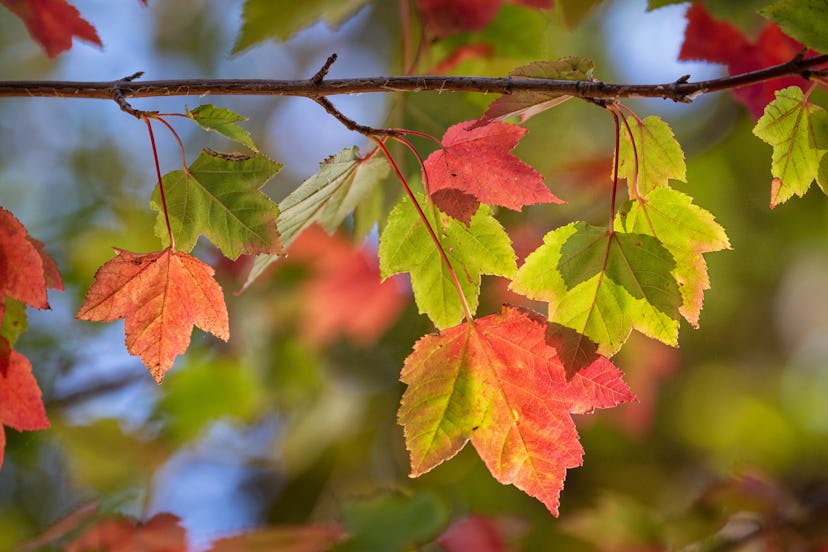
x=656 y=159
x=267 y=19
x=687 y=231
x=529 y=104
x=604 y=284
x=482 y=247
x=222 y=121
x=798 y=132
x=331 y=194
x=220 y=198
x=805 y=20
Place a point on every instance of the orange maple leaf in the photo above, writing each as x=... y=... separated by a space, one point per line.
x=161 y=533
x=160 y=296
x=26 y=270
x=53 y=23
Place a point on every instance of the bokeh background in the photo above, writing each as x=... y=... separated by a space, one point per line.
x=287 y=424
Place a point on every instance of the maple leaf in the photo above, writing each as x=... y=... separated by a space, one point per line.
x=220 y=198
x=223 y=121
x=477 y=161
x=498 y=383
x=53 y=23
x=344 y=295
x=798 y=132
x=656 y=159
x=707 y=39
x=284 y=538
x=21 y=407
x=26 y=270
x=687 y=231
x=445 y=17
x=482 y=247
x=527 y=104
x=161 y=533
x=265 y=19
x=161 y=296
x=604 y=284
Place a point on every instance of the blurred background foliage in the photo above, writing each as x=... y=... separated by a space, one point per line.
x=287 y=425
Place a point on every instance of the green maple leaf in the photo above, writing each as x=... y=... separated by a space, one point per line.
x=482 y=247
x=798 y=132
x=332 y=194
x=266 y=19
x=604 y=284
x=657 y=157
x=222 y=121
x=220 y=198
x=687 y=231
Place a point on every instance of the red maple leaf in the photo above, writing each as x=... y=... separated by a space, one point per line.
x=444 y=17
x=344 y=294
x=478 y=162
x=53 y=23
x=161 y=296
x=707 y=39
x=26 y=270
x=161 y=533
x=21 y=407
x=499 y=383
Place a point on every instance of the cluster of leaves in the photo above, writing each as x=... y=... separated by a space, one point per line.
x=508 y=382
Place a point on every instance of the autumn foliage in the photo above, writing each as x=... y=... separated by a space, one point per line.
x=417 y=216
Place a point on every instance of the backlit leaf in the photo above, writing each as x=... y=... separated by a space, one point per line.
x=161 y=296
x=498 y=383
x=53 y=23
x=222 y=121
x=604 y=284
x=332 y=194
x=478 y=162
x=528 y=104
x=21 y=406
x=220 y=198
x=687 y=231
x=482 y=247
x=805 y=20
x=657 y=157
x=798 y=132
x=265 y=19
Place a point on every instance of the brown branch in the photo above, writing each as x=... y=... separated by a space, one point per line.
x=680 y=91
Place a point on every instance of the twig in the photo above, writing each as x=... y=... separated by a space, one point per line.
x=680 y=90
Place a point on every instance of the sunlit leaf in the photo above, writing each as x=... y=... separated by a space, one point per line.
x=482 y=247
x=223 y=121
x=656 y=158
x=604 y=284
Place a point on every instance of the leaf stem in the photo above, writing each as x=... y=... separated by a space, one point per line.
x=615 y=163
x=160 y=184
x=177 y=139
x=434 y=238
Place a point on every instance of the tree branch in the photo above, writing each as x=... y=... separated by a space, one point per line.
x=680 y=91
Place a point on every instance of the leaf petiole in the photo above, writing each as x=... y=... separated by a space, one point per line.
x=160 y=183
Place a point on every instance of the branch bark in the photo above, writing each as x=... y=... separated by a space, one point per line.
x=682 y=90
